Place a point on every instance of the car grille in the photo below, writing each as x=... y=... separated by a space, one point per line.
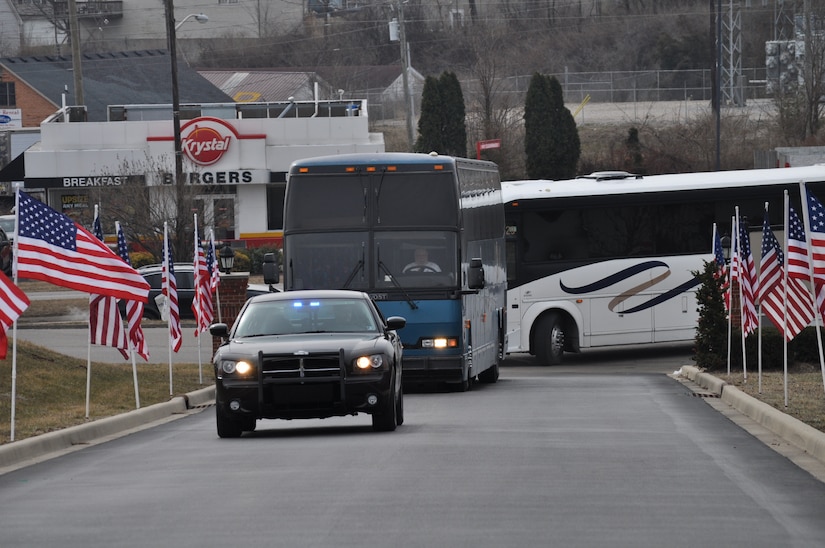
x=302 y=367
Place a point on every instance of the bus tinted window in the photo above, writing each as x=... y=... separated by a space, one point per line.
x=327 y=202
x=411 y=199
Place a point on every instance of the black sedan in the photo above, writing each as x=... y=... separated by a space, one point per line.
x=308 y=354
x=185 y=282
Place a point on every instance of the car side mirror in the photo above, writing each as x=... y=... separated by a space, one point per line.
x=219 y=330
x=396 y=322
x=270 y=268
x=475 y=274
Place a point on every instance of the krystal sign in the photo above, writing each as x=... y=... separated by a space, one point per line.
x=206 y=140
x=210 y=143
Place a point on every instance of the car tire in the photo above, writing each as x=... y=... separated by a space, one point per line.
x=227 y=427
x=385 y=419
x=399 y=407
x=550 y=340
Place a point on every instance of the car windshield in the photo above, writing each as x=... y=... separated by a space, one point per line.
x=294 y=316
x=7 y=224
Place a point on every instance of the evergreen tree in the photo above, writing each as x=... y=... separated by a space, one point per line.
x=565 y=146
x=455 y=131
x=430 y=135
x=441 y=126
x=711 y=348
x=537 y=127
x=551 y=140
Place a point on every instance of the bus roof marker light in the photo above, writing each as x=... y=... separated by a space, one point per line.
x=303 y=170
x=371 y=169
x=349 y=169
x=438 y=167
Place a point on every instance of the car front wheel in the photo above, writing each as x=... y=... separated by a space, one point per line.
x=385 y=419
x=227 y=426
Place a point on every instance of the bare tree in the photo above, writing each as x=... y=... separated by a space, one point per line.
x=144 y=204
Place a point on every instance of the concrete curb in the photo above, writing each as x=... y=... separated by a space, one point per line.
x=38 y=447
x=794 y=431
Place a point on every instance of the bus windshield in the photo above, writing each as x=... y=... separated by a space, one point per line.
x=327 y=260
x=415 y=259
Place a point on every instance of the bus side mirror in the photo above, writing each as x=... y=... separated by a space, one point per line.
x=475 y=274
x=270 y=268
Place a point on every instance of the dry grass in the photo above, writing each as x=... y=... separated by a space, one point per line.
x=51 y=389
x=806 y=391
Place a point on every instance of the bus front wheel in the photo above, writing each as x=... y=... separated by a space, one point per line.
x=550 y=339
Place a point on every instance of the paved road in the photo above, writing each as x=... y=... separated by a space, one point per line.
x=74 y=341
x=542 y=458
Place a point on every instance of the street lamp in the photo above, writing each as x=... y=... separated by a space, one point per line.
x=199 y=17
x=227 y=258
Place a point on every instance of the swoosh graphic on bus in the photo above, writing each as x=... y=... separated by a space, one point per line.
x=613 y=278
x=627 y=273
x=619 y=299
x=665 y=296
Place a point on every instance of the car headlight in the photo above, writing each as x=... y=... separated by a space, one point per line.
x=240 y=367
x=364 y=363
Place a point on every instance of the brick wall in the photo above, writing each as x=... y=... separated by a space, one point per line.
x=35 y=108
x=232 y=297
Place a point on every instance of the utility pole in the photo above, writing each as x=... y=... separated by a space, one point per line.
x=76 y=68
x=405 y=77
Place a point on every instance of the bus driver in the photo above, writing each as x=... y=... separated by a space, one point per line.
x=422 y=263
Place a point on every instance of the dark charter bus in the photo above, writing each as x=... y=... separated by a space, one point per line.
x=423 y=235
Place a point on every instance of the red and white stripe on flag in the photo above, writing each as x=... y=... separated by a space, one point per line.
x=13 y=302
x=170 y=289
x=105 y=324
x=202 y=305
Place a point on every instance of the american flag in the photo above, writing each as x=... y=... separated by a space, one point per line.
x=170 y=289
x=800 y=309
x=105 y=323
x=212 y=263
x=816 y=218
x=52 y=248
x=721 y=267
x=747 y=281
x=202 y=301
x=798 y=265
x=134 y=309
x=13 y=302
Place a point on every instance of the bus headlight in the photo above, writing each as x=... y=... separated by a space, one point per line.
x=241 y=367
x=440 y=342
x=364 y=363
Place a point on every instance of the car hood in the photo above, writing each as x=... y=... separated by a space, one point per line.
x=304 y=342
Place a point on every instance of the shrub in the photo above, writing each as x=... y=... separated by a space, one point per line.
x=141 y=258
x=242 y=262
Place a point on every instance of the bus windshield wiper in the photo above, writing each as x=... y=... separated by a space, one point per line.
x=358 y=267
x=386 y=270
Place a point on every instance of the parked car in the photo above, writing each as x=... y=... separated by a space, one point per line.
x=308 y=354
x=9 y=225
x=185 y=282
x=6 y=253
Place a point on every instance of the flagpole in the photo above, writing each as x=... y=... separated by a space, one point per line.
x=168 y=259
x=14 y=325
x=759 y=315
x=742 y=312
x=89 y=349
x=734 y=237
x=806 y=219
x=786 y=228
x=197 y=299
